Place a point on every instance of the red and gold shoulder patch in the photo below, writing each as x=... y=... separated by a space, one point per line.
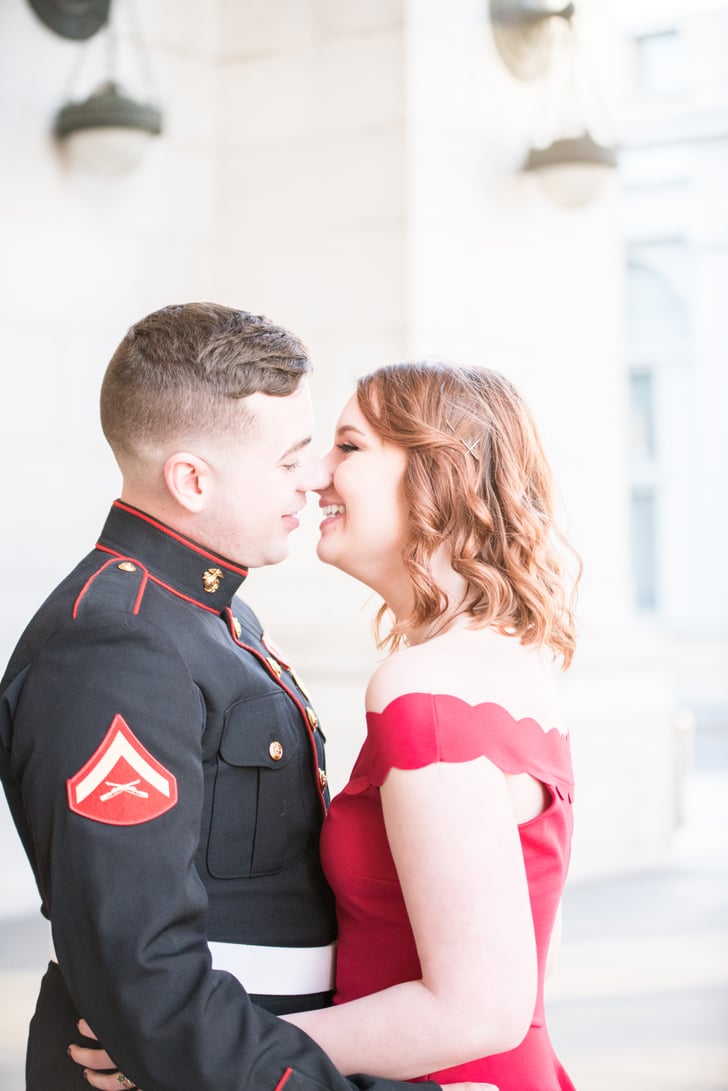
x=121 y=783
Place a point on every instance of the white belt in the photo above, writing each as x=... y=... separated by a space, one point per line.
x=273 y=971
x=277 y=971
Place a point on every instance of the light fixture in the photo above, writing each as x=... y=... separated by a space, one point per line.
x=75 y=19
x=536 y=39
x=573 y=169
x=106 y=131
x=522 y=32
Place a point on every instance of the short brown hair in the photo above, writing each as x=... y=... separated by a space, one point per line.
x=181 y=372
x=476 y=478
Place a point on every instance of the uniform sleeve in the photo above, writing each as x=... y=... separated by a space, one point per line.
x=126 y=902
x=418 y=729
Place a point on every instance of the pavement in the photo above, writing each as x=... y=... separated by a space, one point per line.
x=639 y=998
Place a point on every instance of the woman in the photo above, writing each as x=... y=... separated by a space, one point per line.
x=440 y=501
x=448 y=849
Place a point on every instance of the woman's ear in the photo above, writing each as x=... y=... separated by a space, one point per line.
x=188 y=480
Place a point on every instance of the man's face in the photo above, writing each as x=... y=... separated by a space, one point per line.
x=260 y=479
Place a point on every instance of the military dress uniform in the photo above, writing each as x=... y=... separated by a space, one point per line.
x=165 y=771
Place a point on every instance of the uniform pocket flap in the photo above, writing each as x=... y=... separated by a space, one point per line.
x=258 y=732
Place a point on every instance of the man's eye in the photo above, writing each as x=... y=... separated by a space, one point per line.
x=346 y=447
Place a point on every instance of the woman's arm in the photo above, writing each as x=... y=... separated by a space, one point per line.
x=98 y=1059
x=455 y=843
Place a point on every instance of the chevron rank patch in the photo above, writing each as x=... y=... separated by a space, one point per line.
x=121 y=783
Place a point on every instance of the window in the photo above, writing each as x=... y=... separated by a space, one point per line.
x=643 y=451
x=659 y=343
x=660 y=65
x=658 y=316
x=642 y=414
x=644 y=548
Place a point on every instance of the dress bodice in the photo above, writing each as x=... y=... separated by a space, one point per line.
x=376 y=945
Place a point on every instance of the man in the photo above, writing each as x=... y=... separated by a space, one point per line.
x=163 y=766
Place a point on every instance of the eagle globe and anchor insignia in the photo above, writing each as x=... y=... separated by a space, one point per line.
x=121 y=784
x=211 y=579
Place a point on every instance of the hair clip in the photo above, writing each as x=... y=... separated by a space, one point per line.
x=469 y=447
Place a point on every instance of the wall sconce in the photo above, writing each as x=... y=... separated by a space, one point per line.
x=106 y=132
x=76 y=19
x=536 y=40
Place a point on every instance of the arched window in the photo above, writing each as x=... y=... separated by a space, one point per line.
x=658 y=318
x=658 y=328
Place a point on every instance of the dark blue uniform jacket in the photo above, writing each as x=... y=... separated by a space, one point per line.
x=165 y=773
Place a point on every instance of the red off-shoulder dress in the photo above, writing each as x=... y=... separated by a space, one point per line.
x=376 y=946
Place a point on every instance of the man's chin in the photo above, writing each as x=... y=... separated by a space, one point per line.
x=269 y=561
x=273 y=554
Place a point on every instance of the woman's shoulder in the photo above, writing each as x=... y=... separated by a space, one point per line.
x=457 y=698
x=476 y=666
x=403 y=672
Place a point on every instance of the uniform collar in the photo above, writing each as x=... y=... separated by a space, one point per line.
x=189 y=569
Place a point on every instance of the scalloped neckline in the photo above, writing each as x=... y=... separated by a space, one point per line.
x=546 y=732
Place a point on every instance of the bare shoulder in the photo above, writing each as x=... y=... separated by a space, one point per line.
x=476 y=665
x=408 y=670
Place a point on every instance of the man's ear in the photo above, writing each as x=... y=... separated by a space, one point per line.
x=188 y=480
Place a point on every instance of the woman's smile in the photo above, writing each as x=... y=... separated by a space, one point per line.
x=331 y=511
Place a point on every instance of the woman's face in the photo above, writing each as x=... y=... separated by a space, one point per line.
x=365 y=523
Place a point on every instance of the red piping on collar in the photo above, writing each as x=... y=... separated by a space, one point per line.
x=179 y=537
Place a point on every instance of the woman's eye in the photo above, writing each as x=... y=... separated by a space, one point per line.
x=346 y=447
x=291 y=465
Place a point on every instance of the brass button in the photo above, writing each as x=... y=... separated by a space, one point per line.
x=275 y=750
x=274 y=651
x=237 y=627
x=274 y=666
x=312 y=717
x=323 y=779
x=300 y=685
x=127 y=566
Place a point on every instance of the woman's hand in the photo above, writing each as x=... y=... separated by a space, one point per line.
x=97 y=1063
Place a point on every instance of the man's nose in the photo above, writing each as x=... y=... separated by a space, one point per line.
x=316 y=474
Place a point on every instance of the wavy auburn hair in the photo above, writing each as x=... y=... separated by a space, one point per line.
x=476 y=479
